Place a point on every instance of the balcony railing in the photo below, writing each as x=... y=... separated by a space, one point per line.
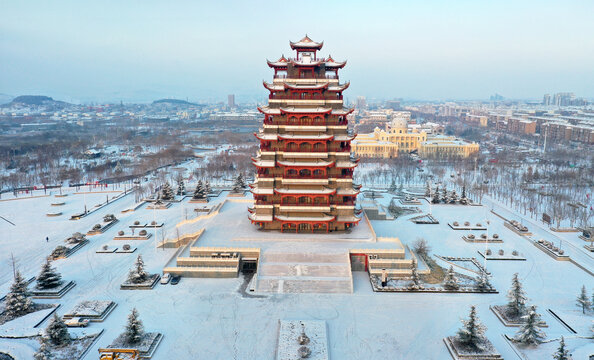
x=290 y=97
x=291 y=176
x=303 y=123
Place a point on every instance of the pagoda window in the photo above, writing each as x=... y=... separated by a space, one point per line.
x=318 y=120
x=293 y=120
x=305 y=147
x=305 y=172
x=318 y=172
x=304 y=200
x=292 y=172
x=319 y=147
x=292 y=146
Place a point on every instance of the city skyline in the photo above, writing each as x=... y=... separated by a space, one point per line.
x=429 y=51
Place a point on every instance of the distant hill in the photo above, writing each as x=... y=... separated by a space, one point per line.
x=173 y=101
x=35 y=100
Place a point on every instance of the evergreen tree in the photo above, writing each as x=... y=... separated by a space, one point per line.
x=453 y=197
x=517 y=298
x=44 y=352
x=181 y=186
x=134 y=328
x=472 y=333
x=17 y=300
x=57 y=332
x=415 y=283
x=137 y=274
x=562 y=353
x=48 y=278
x=483 y=283
x=199 y=192
x=428 y=190
x=239 y=184
x=583 y=301
x=529 y=332
x=435 y=199
x=392 y=187
x=166 y=192
x=451 y=282
x=444 y=195
x=207 y=188
x=464 y=192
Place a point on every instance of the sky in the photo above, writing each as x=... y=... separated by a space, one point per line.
x=138 y=51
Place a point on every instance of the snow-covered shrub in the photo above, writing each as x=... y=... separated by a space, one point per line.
x=126 y=247
x=501 y=252
x=489 y=252
x=515 y=253
x=142 y=232
x=136 y=222
x=96 y=226
x=121 y=233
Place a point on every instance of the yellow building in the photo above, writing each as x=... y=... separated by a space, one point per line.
x=398 y=138
x=447 y=147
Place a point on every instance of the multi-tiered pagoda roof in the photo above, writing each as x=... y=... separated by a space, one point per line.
x=304 y=168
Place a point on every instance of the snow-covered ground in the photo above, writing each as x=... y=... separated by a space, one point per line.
x=209 y=318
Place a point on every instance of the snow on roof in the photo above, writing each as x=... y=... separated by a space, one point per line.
x=259 y=217
x=306 y=43
x=263 y=163
x=345 y=164
x=317 y=110
x=323 y=190
x=304 y=218
x=317 y=163
x=260 y=191
x=347 y=218
x=346 y=192
x=306 y=137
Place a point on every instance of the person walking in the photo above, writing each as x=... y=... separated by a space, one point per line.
x=47 y=239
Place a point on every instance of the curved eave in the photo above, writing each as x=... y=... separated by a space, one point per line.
x=288 y=192
x=312 y=64
x=350 y=165
x=268 y=111
x=336 y=64
x=305 y=165
x=304 y=219
x=345 y=113
x=353 y=220
x=276 y=64
x=257 y=135
x=271 y=87
x=297 y=138
x=304 y=111
x=313 y=87
x=259 y=163
x=342 y=87
x=306 y=46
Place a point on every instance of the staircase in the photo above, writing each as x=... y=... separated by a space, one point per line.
x=306 y=271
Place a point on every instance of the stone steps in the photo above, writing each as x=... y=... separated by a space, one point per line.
x=306 y=271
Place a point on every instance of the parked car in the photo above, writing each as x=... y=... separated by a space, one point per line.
x=77 y=322
x=165 y=278
x=175 y=279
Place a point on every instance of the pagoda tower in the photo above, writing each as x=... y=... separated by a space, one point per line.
x=304 y=168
